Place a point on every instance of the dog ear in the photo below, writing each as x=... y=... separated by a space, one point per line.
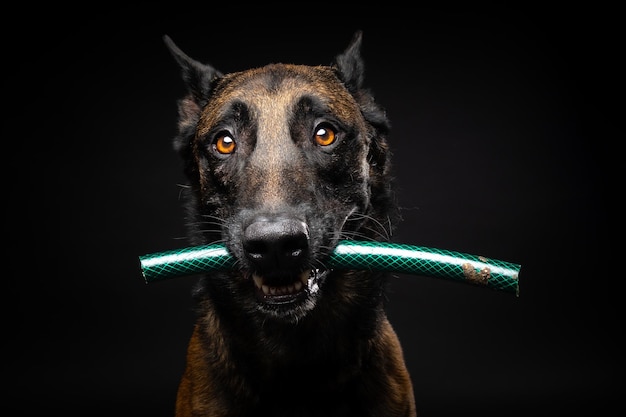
x=350 y=69
x=350 y=65
x=197 y=76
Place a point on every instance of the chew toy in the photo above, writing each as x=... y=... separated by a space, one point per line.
x=352 y=255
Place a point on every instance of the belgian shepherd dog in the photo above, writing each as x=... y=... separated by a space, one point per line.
x=284 y=161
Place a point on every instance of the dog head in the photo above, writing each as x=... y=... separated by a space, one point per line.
x=283 y=161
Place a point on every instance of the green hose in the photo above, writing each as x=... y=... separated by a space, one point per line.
x=379 y=256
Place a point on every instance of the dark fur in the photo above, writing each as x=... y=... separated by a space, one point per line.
x=280 y=202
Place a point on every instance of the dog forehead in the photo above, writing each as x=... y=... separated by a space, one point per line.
x=274 y=90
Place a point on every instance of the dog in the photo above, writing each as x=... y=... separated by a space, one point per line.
x=283 y=162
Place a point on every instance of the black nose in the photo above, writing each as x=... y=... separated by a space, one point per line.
x=276 y=244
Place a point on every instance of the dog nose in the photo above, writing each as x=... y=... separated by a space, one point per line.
x=275 y=244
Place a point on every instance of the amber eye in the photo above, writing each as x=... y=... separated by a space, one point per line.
x=325 y=135
x=224 y=144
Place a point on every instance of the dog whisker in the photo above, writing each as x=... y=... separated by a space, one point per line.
x=210 y=216
x=318 y=264
x=360 y=234
x=183 y=188
x=236 y=264
x=363 y=235
x=207 y=230
x=385 y=232
x=215 y=220
x=218 y=242
x=207 y=227
x=383 y=235
x=210 y=221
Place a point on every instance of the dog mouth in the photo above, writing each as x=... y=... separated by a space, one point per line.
x=288 y=290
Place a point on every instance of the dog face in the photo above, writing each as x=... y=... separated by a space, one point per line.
x=283 y=161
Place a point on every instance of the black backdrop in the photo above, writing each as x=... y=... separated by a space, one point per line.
x=498 y=151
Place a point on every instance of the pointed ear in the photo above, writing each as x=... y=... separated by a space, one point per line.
x=349 y=64
x=350 y=69
x=197 y=76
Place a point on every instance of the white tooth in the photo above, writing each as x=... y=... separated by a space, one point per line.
x=273 y=290
x=297 y=286
x=266 y=289
x=290 y=289
x=258 y=281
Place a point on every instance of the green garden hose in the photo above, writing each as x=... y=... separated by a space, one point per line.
x=355 y=255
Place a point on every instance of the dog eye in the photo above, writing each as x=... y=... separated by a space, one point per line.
x=325 y=135
x=224 y=143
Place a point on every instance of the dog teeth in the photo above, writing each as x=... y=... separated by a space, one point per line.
x=293 y=288
x=258 y=281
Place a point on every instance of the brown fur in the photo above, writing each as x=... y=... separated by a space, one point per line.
x=328 y=349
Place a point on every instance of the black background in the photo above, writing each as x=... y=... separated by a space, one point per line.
x=499 y=142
